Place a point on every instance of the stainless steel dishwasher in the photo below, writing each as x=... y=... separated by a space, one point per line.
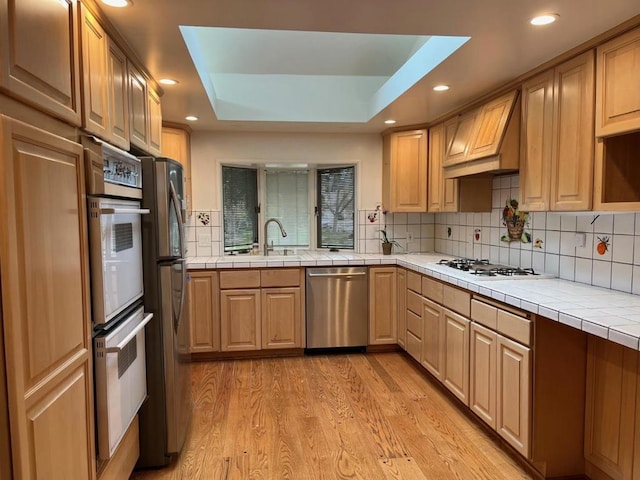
x=337 y=307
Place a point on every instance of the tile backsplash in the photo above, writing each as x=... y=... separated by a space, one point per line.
x=610 y=256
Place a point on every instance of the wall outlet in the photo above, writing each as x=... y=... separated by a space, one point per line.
x=580 y=240
x=204 y=240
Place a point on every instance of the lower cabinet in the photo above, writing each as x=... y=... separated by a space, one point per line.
x=281 y=318
x=383 y=326
x=204 y=312
x=240 y=320
x=610 y=416
x=401 y=283
x=455 y=371
x=483 y=372
x=433 y=338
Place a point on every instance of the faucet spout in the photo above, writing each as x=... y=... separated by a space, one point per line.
x=267 y=248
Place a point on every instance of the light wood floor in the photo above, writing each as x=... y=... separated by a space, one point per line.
x=372 y=416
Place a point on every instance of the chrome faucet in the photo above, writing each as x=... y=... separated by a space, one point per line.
x=267 y=248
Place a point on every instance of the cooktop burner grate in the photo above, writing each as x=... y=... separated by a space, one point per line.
x=484 y=268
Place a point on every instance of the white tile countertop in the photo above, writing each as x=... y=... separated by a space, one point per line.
x=599 y=311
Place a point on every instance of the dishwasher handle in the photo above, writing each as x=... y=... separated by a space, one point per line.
x=355 y=274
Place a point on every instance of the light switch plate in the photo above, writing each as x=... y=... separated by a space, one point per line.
x=580 y=240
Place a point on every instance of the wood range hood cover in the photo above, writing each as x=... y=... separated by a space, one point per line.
x=485 y=140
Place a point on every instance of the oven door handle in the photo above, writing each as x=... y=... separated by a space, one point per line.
x=124 y=211
x=123 y=343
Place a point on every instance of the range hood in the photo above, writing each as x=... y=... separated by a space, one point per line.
x=484 y=140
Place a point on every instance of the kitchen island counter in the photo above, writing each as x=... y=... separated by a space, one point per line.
x=602 y=312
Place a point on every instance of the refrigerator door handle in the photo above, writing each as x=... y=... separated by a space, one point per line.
x=177 y=206
x=182 y=294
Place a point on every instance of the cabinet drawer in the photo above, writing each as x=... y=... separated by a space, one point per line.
x=413 y=281
x=514 y=327
x=484 y=314
x=414 y=303
x=457 y=300
x=414 y=324
x=281 y=277
x=432 y=289
x=414 y=346
x=239 y=279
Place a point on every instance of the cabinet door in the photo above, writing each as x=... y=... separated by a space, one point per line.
x=47 y=323
x=138 y=108
x=536 y=142
x=281 y=318
x=432 y=337
x=204 y=312
x=155 y=122
x=459 y=146
x=482 y=373
x=95 y=108
x=383 y=326
x=455 y=371
x=39 y=55
x=573 y=145
x=513 y=417
x=408 y=172
x=240 y=320
x=490 y=126
x=617 y=90
x=450 y=201
x=435 y=190
x=610 y=407
x=402 y=305
x=176 y=144
x=118 y=90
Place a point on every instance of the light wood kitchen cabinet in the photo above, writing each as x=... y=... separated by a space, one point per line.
x=461 y=129
x=39 y=61
x=118 y=95
x=557 y=149
x=401 y=283
x=442 y=194
x=490 y=127
x=514 y=394
x=433 y=338
x=455 y=370
x=483 y=373
x=282 y=314
x=95 y=103
x=612 y=372
x=404 y=176
x=138 y=108
x=176 y=144
x=204 y=312
x=617 y=92
x=240 y=320
x=155 y=122
x=383 y=326
x=46 y=308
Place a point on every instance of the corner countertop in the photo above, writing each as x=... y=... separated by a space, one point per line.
x=606 y=313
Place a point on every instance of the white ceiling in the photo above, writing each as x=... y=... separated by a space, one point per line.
x=502 y=46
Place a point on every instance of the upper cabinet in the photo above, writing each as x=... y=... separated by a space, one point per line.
x=617 y=171
x=176 y=144
x=145 y=116
x=485 y=139
x=556 y=166
x=155 y=122
x=618 y=87
x=442 y=194
x=404 y=176
x=118 y=95
x=39 y=61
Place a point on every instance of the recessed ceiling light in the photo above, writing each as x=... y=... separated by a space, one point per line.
x=117 y=3
x=545 y=19
x=390 y=122
x=191 y=118
x=168 y=81
x=441 y=88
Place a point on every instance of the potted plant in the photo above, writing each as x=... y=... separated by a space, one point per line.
x=387 y=245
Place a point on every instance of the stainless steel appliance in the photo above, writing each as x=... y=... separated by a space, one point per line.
x=115 y=246
x=165 y=416
x=485 y=270
x=337 y=307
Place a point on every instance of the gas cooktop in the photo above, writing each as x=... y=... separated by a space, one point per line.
x=485 y=269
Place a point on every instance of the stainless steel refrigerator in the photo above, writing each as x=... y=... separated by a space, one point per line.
x=166 y=414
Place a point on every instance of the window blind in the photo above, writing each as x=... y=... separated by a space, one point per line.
x=287 y=199
x=239 y=205
x=336 y=191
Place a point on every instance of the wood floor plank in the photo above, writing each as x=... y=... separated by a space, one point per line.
x=371 y=416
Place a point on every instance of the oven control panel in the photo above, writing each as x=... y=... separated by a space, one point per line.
x=123 y=171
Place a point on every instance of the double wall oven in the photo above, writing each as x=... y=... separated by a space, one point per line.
x=117 y=289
